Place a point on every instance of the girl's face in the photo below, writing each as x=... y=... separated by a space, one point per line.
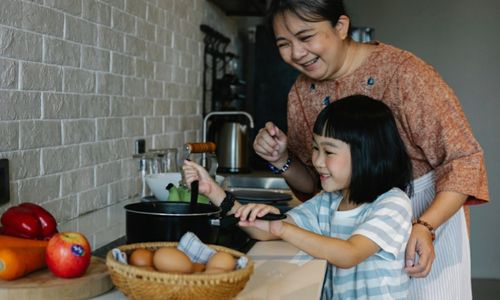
x=316 y=49
x=332 y=160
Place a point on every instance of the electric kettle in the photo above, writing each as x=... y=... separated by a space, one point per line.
x=231 y=138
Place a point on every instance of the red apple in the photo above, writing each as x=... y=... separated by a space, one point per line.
x=68 y=254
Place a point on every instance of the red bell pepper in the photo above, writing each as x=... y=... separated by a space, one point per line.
x=47 y=220
x=21 y=222
x=28 y=220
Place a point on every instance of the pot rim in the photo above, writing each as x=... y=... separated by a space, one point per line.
x=216 y=212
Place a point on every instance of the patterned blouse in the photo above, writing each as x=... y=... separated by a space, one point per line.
x=428 y=115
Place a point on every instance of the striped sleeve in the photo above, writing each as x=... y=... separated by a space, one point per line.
x=315 y=215
x=388 y=223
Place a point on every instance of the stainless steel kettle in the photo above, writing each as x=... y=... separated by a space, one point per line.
x=232 y=142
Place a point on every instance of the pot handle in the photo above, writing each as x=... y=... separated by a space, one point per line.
x=231 y=220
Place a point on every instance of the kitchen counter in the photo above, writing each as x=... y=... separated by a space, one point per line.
x=281 y=272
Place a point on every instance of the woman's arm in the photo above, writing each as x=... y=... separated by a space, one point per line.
x=272 y=145
x=437 y=127
x=300 y=178
x=445 y=205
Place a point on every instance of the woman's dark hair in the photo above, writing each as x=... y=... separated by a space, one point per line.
x=307 y=10
x=378 y=155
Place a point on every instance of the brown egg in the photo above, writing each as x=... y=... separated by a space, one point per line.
x=221 y=260
x=198 y=267
x=172 y=260
x=141 y=258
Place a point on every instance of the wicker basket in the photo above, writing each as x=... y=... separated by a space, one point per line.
x=141 y=284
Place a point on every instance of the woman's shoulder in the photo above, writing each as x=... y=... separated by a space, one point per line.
x=390 y=55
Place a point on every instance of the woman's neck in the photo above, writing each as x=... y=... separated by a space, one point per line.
x=355 y=55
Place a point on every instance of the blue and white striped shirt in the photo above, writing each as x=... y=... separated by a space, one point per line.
x=386 y=221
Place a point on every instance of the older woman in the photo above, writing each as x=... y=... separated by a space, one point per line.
x=312 y=36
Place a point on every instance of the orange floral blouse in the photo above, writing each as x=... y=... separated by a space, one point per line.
x=428 y=115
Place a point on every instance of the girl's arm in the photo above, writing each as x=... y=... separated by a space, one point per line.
x=208 y=187
x=341 y=253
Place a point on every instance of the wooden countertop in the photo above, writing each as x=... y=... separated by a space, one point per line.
x=283 y=272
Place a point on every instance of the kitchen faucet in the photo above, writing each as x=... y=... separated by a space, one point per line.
x=224 y=113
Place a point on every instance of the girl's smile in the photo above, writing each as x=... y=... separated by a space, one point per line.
x=332 y=160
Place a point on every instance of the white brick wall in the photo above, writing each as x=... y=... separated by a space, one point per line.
x=81 y=80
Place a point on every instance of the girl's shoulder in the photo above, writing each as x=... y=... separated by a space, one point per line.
x=322 y=200
x=394 y=196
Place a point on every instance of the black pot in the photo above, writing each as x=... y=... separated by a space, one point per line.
x=168 y=221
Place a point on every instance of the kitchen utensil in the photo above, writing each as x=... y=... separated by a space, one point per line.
x=262 y=196
x=42 y=285
x=140 y=283
x=231 y=220
x=231 y=136
x=168 y=221
x=208 y=159
x=194 y=196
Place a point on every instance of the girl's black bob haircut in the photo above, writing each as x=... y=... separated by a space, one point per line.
x=378 y=155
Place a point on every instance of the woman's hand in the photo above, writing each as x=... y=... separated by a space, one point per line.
x=207 y=186
x=248 y=218
x=420 y=243
x=271 y=144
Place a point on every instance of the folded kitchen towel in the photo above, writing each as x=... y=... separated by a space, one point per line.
x=199 y=252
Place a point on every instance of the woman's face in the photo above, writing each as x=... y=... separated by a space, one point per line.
x=317 y=49
x=332 y=160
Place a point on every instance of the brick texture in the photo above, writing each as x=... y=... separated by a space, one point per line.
x=80 y=81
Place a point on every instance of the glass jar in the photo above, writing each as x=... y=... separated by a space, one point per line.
x=164 y=160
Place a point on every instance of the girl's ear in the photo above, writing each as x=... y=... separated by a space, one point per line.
x=342 y=26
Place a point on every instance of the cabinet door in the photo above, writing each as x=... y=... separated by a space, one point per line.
x=272 y=80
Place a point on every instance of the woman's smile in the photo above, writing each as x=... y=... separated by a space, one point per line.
x=311 y=64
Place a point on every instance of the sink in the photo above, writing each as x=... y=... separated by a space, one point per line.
x=264 y=189
x=255 y=182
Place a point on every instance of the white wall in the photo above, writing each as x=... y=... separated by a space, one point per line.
x=461 y=39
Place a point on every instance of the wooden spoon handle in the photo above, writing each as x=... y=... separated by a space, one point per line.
x=200 y=147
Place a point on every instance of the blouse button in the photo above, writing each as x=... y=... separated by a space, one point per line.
x=326 y=100
x=370 y=81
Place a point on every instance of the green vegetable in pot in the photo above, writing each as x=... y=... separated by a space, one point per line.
x=173 y=193
x=183 y=194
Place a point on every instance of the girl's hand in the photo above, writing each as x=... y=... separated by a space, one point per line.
x=271 y=144
x=248 y=218
x=420 y=243
x=207 y=186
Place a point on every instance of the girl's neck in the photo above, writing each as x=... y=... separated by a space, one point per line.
x=345 y=204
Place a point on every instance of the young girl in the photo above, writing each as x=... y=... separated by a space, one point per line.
x=361 y=221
